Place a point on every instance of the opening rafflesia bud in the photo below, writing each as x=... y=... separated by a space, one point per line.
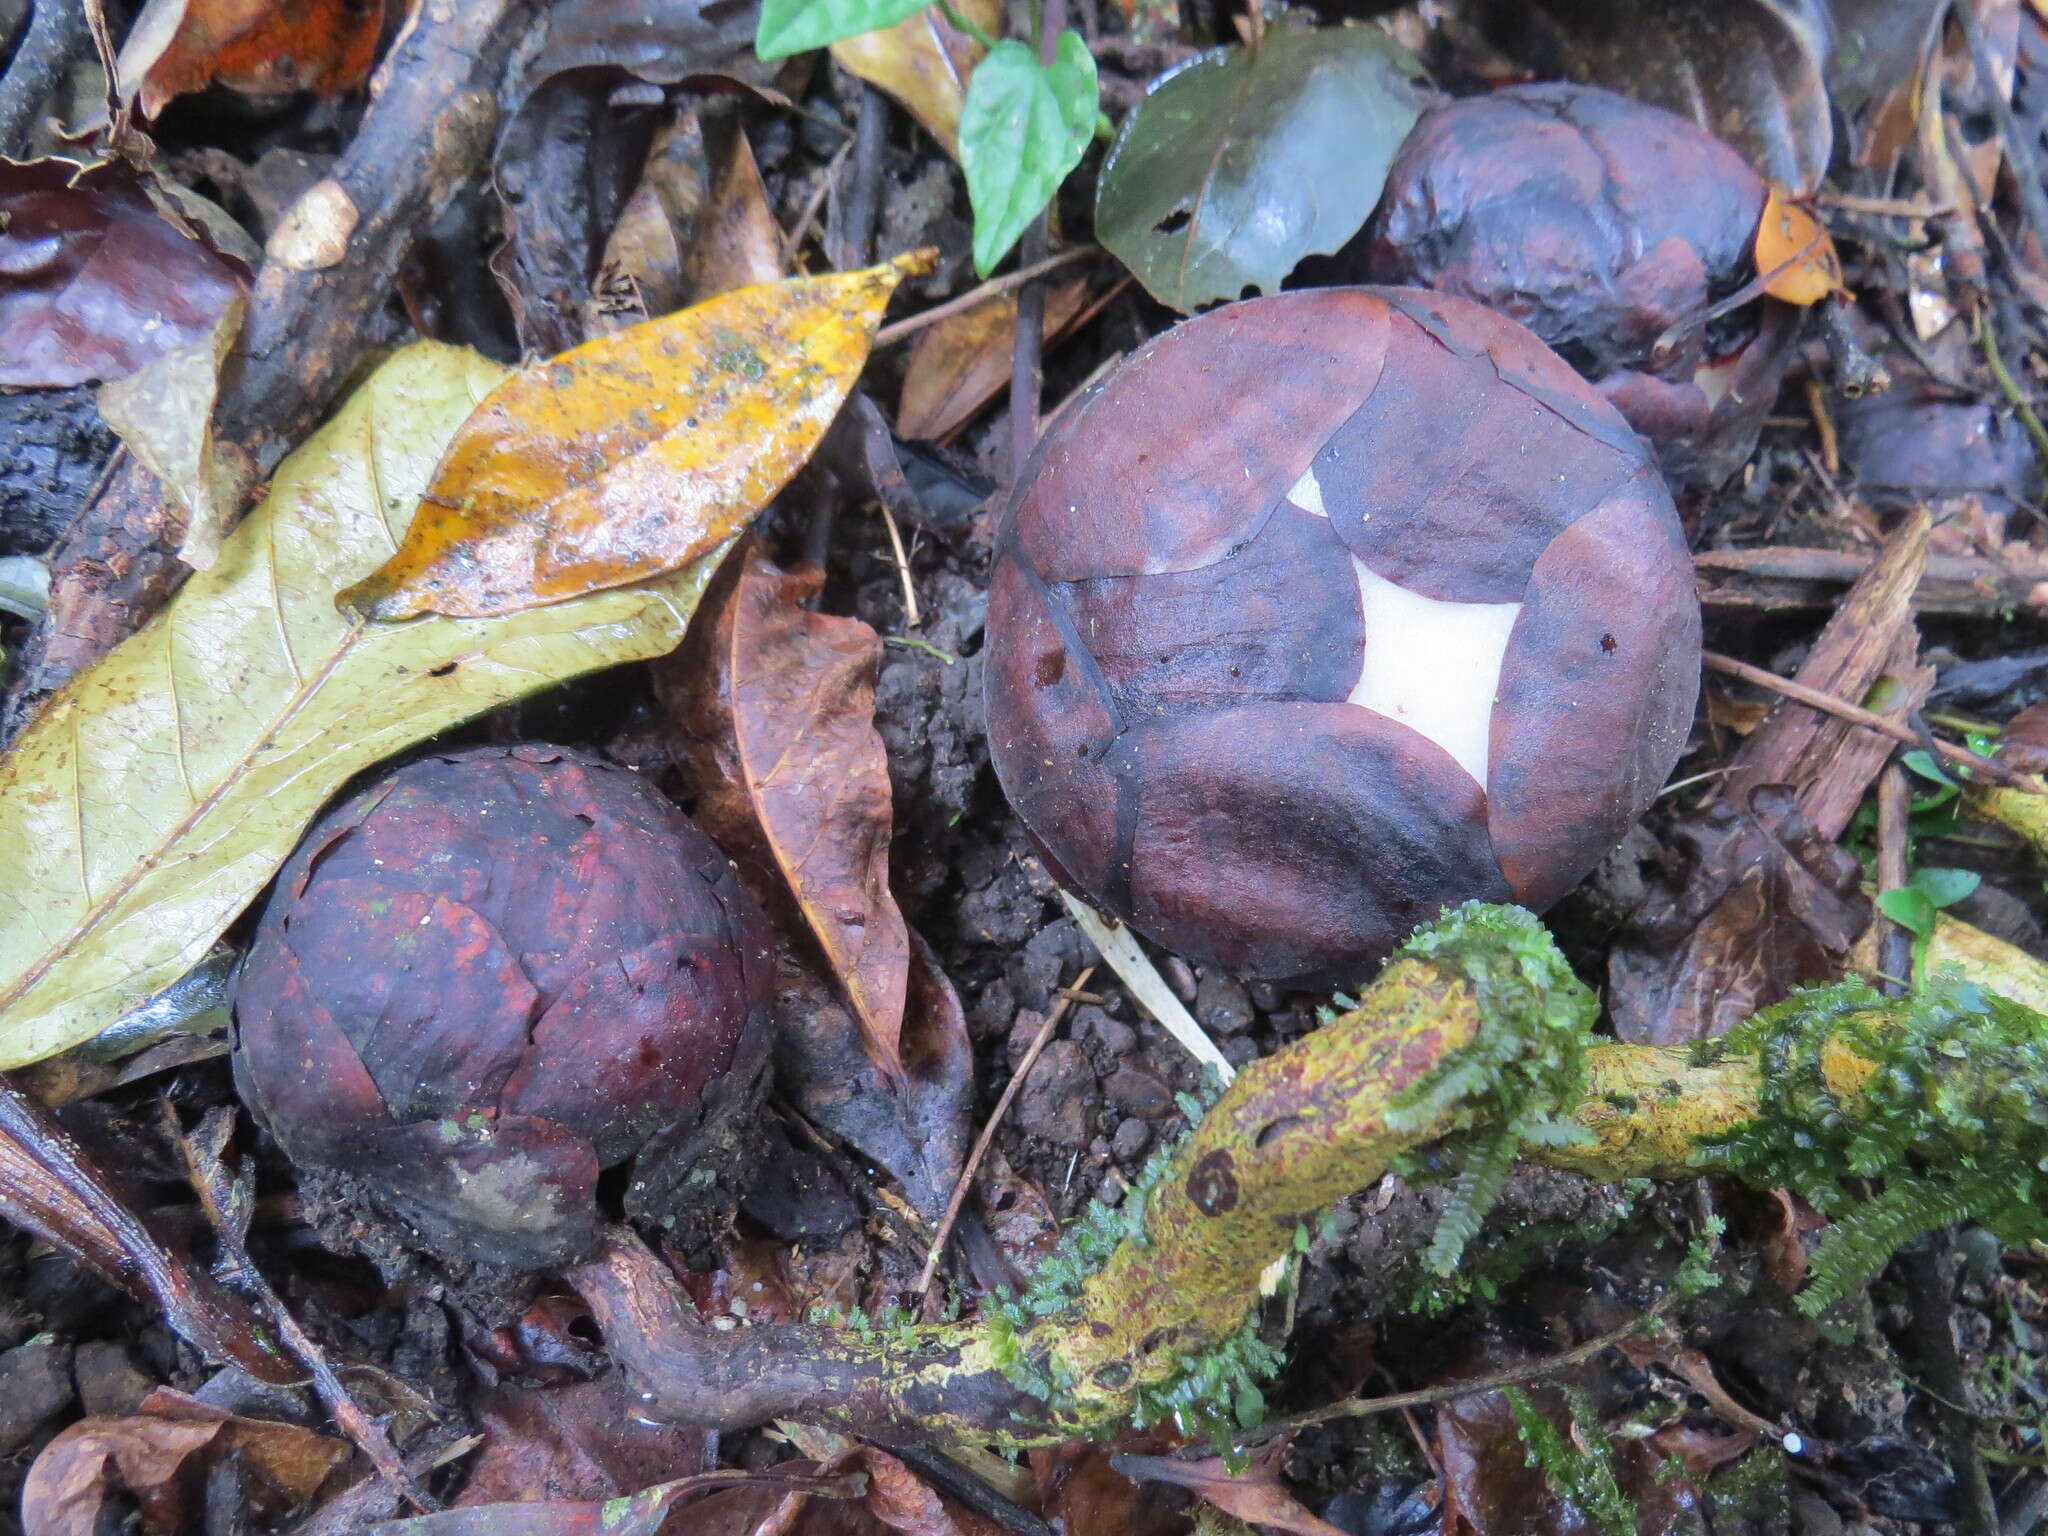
x=488 y=976
x=1329 y=609
x=1610 y=228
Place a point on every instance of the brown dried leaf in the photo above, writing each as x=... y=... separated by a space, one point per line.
x=1757 y=903
x=696 y=226
x=261 y=47
x=1255 y=1495
x=1491 y=1490
x=774 y=708
x=924 y=63
x=580 y=1441
x=98 y=281
x=146 y=1456
x=958 y=366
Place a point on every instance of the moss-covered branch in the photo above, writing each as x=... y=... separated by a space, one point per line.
x=1475 y=1041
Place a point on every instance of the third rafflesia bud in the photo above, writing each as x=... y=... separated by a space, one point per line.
x=491 y=974
x=1610 y=228
x=1326 y=610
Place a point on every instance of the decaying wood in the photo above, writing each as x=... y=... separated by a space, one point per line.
x=1787 y=579
x=1871 y=639
x=325 y=274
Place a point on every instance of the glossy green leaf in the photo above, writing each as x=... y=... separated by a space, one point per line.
x=1023 y=128
x=154 y=796
x=793 y=26
x=1243 y=161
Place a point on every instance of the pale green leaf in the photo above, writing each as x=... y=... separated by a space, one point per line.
x=793 y=26
x=154 y=796
x=1023 y=127
x=1945 y=887
x=1909 y=907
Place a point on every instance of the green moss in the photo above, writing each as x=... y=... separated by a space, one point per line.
x=1583 y=1478
x=1953 y=1119
x=1518 y=1079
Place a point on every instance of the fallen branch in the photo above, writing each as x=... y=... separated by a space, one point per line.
x=1149 y=1309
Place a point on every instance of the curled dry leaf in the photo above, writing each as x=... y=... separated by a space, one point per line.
x=1241 y=162
x=1795 y=253
x=1254 y=1495
x=924 y=61
x=98 y=281
x=1759 y=903
x=163 y=412
x=566 y=161
x=958 y=366
x=645 y=1513
x=152 y=1457
x=262 y=47
x=1492 y=1489
x=633 y=454
x=775 y=709
x=578 y=1441
x=154 y=796
x=1748 y=71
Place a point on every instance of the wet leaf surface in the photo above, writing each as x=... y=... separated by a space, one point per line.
x=155 y=795
x=774 y=708
x=157 y=1458
x=1747 y=71
x=1240 y=163
x=576 y=1442
x=634 y=454
x=260 y=47
x=98 y=281
x=924 y=61
x=645 y=1513
x=1757 y=904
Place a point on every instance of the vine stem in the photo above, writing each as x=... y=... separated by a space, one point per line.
x=1301 y=1128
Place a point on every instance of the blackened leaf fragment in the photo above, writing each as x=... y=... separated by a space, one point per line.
x=1758 y=903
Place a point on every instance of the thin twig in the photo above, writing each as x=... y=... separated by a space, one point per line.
x=1987 y=342
x=1855 y=714
x=981 y=1143
x=994 y=288
x=910 y=613
x=805 y=219
x=1894 y=813
x=1514 y=1375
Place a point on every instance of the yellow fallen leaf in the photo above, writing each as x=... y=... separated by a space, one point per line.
x=633 y=454
x=924 y=62
x=1790 y=238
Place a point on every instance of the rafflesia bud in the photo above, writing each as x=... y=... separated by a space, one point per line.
x=1606 y=226
x=488 y=976
x=1326 y=610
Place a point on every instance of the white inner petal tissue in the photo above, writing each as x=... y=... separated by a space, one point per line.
x=1433 y=665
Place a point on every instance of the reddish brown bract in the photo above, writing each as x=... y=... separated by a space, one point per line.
x=1247 y=582
x=491 y=974
x=1603 y=224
